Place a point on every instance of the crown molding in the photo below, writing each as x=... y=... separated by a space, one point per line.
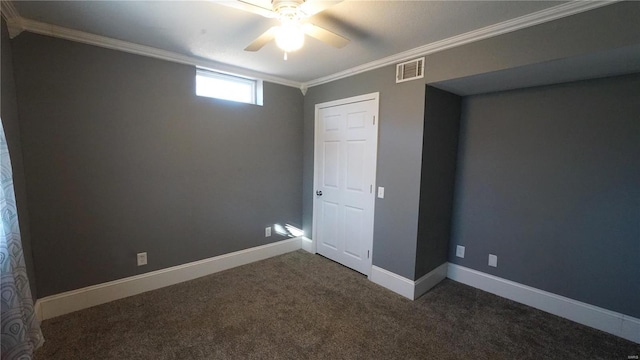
x=17 y=24
x=8 y=10
x=42 y=28
x=12 y=17
x=539 y=17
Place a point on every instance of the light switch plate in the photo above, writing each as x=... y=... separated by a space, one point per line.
x=267 y=231
x=380 y=192
x=460 y=251
x=493 y=260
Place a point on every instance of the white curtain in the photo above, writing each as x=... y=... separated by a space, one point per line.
x=21 y=333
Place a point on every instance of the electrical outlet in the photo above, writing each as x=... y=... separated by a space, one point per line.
x=380 y=192
x=142 y=259
x=460 y=251
x=493 y=260
x=267 y=231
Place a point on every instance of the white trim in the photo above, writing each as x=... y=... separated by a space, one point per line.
x=621 y=325
x=14 y=26
x=394 y=282
x=255 y=88
x=9 y=11
x=18 y=24
x=405 y=287
x=354 y=99
x=431 y=279
x=41 y=28
x=64 y=303
x=11 y=15
x=538 y=17
x=307 y=245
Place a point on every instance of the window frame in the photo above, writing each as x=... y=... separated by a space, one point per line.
x=255 y=84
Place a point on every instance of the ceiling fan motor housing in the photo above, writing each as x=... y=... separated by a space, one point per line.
x=289 y=36
x=288 y=10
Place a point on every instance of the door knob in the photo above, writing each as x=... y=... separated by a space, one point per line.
x=318 y=192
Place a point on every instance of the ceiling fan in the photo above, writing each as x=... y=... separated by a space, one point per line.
x=289 y=35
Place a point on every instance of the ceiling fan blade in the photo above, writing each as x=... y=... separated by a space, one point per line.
x=325 y=35
x=250 y=6
x=312 y=7
x=262 y=40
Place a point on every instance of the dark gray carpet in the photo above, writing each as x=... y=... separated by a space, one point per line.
x=303 y=306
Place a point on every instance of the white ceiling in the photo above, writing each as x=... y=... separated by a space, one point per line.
x=214 y=32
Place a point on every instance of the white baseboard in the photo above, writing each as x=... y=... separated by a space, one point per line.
x=430 y=280
x=307 y=245
x=70 y=301
x=621 y=325
x=392 y=281
x=405 y=287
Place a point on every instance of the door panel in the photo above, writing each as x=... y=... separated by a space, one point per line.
x=331 y=164
x=356 y=120
x=332 y=123
x=330 y=219
x=354 y=231
x=346 y=148
x=355 y=166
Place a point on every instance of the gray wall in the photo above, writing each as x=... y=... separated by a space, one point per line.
x=113 y=142
x=439 y=157
x=399 y=158
x=606 y=28
x=121 y=157
x=11 y=127
x=549 y=182
x=402 y=113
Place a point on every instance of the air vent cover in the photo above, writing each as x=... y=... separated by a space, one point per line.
x=410 y=70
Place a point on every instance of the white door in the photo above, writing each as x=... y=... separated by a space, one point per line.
x=346 y=142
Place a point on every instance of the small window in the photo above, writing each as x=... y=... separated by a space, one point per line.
x=228 y=87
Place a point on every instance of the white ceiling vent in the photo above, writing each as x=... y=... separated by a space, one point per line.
x=410 y=70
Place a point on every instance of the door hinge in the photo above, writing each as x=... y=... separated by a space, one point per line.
x=370 y=189
x=374 y=119
x=368 y=254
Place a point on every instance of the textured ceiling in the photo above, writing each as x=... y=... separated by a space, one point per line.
x=211 y=31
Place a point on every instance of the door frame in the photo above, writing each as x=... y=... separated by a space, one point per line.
x=355 y=99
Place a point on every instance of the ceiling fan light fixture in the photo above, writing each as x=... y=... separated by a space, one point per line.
x=290 y=34
x=289 y=37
